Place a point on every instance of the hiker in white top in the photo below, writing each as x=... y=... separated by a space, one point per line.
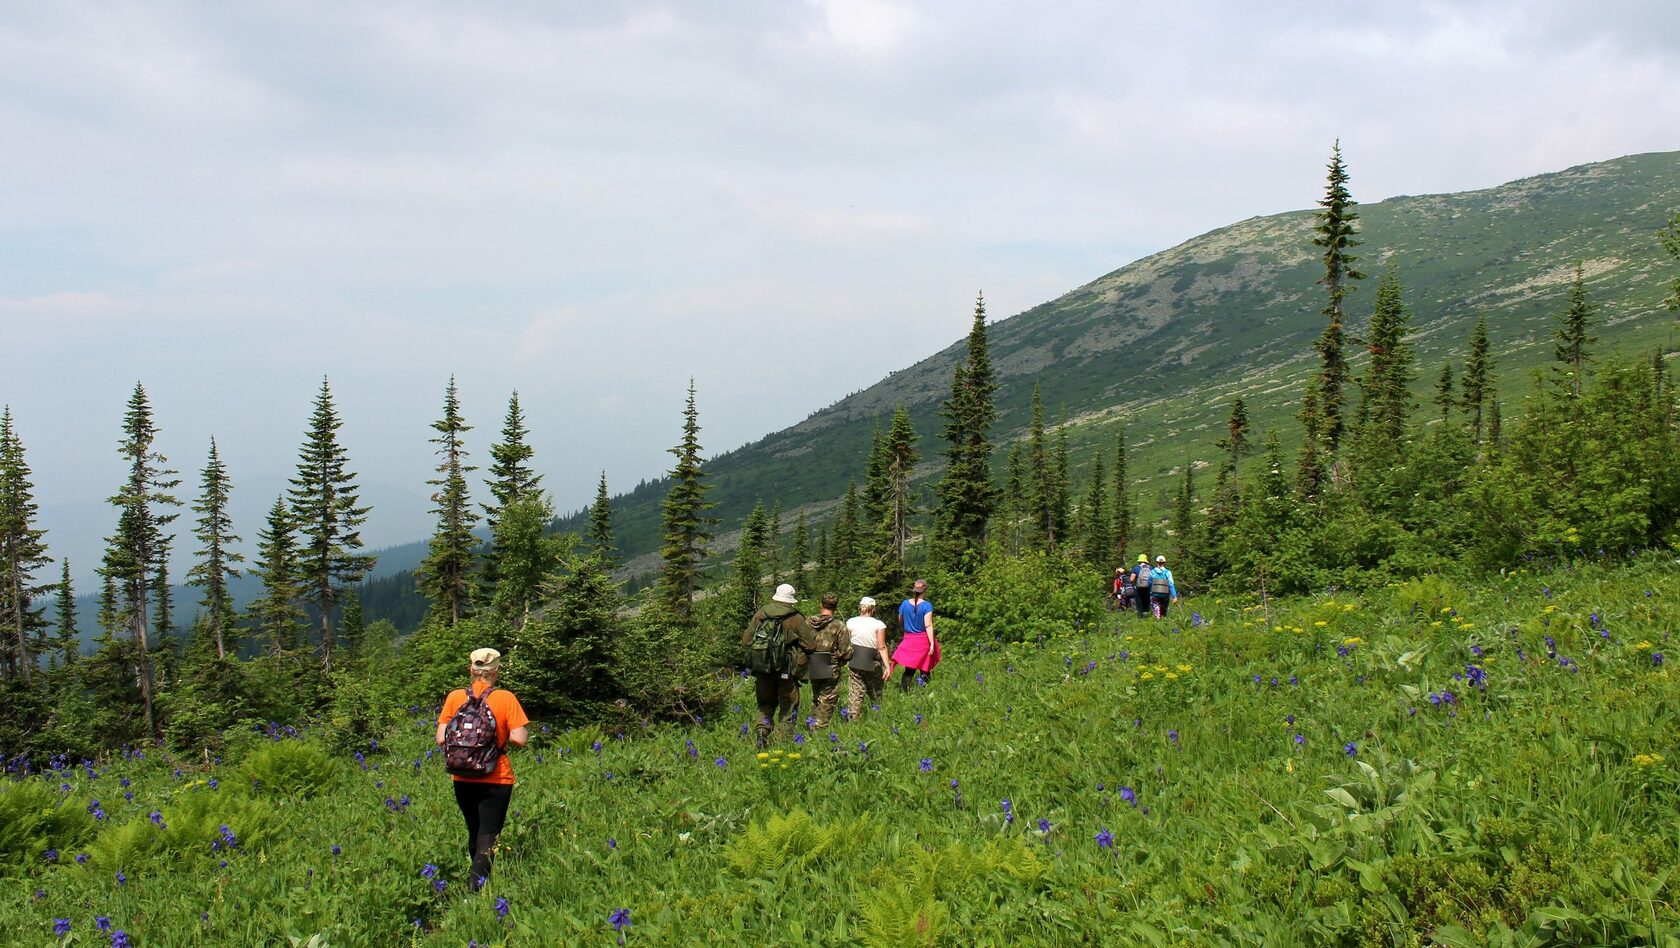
x=870 y=666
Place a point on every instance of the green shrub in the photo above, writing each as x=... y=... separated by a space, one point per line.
x=200 y=822
x=297 y=769
x=36 y=817
x=1016 y=599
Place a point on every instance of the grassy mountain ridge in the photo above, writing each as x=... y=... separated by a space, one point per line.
x=1162 y=344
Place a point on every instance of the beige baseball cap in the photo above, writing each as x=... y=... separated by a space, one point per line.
x=486 y=659
x=866 y=602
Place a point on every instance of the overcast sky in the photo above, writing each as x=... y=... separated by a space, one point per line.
x=595 y=202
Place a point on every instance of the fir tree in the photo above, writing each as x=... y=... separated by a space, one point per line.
x=1122 y=505
x=445 y=577
x=511 y=476
x=139 y=546
x=1496 y=433
x=217 y=562
x=600 y=532
x=1041 y=478
x=353 y=624
x=773 y=545
x=801 y=548
x=749 y=565
x=901 y=464
x=1015 y=506
x=1574 y=333
x=965 y=492
x=23 y=550
x=275 y=613
x=1476 y=388
x=1183 y=521
x=846 y=542
x=1386 y=387
x=531 y=558
x=1444 y=392
x=327 y=518
x=1335 y=233
x=1309 y=467
x=68 y=642
x=877 y=482
x=1235 y=441
x=687 y=529
x=1098 y=541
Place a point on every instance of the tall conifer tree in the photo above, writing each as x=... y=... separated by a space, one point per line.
x=1098 y=540
x=1444 y=392
x=965 y=492
x=139 y=546
x=217 y=562
x=1183 y=523
x=773 y=544
x=327 y=517
x=23 y=550
x=1574 y=333
x=901 y=464
x=1336 y=235
x=749 y=564
x=600 y=534
x=687 y=529
x=446 y=574
x=511 y=476
x=1476 y=388
x=801 y=548
x=1235 y=441
x=1122 y=504
x=1386 y=386
x=275 y=612
x=68 y=642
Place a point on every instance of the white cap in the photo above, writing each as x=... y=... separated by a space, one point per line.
x=1160 y=559
x=486 y=659
x=866 y=603
x=784 y=593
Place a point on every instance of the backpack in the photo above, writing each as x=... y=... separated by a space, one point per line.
x=767 y=653
x=1160 y=582
x=470 y=748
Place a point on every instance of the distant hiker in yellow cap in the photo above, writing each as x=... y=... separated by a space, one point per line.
x=1140 y=585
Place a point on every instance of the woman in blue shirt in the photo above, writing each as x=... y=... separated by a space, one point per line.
x=918 y=650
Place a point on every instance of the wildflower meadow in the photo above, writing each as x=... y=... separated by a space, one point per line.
x=1488 y=762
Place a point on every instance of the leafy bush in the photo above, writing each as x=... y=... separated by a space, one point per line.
x=298 y=769
x=666 y=670
x=35 y=818
x=1016 y=599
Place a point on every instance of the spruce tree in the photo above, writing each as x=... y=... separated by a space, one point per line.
x=600 y=531
x=1335 y=233
x=23 y=550
x=68 y=642
x=1574 y=333
x=138 y=548
x=687 y=529
x=1183 y=519
x=1015 y=507
x=1496 y=433
x=327 y=518
x=1041 y=478
x=446 y=575
x=1122 y=504
x=1235 y=441
x=1386 y=387
x=877 y=482
x=1444 y=392
x=217 y=562
x=901 y=464
x=1476 y=388
x=749 y=565
x=965 y=492
x=353 y=624
x=530 y=557
x=511 y=476
x=1060 y=503
x=275 y=613
x=1309 y=466
x=773 y=545
x=801 y=548
x=1098 y=540
x=846 y=543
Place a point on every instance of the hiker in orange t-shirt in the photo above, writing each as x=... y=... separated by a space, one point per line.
x=484 y=800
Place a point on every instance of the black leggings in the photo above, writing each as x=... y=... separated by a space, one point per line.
x=485 y=806
x=908 y=676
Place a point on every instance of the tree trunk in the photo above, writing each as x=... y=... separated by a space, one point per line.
x=143 y=657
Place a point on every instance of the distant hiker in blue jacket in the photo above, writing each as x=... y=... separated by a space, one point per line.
x=1163 y=592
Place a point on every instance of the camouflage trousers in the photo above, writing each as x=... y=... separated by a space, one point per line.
x=863 y=688
x=778 y=704
x=825 y=694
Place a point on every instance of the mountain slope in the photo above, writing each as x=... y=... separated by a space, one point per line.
x=1164 y=343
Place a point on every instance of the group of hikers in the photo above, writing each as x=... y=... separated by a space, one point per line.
x=785 y=650
x=1148 y=589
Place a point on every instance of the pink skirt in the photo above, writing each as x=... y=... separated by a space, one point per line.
x=913 y=652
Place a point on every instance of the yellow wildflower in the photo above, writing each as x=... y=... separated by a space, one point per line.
x=1184 y=668
x=793 y=756
x=1350 y=607
x=1289 y=765
x=1353 y=640
x=1642 y=646
x=1321 y=623
x=1146 y=676
x=1550 y=608
x=1172 y=676
x=763 y=756
x=1647 y=760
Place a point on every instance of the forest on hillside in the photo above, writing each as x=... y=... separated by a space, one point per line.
x=1380 y=489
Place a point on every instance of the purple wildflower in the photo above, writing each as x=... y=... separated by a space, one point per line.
x=501 y=907
x=1105 y=839
x=721 y=762
x=61 y=927
x=927 y=765
x=1129 y=795
x=428 y=871
x=1043 y=825
x=1352 y=749
x=101 y=922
